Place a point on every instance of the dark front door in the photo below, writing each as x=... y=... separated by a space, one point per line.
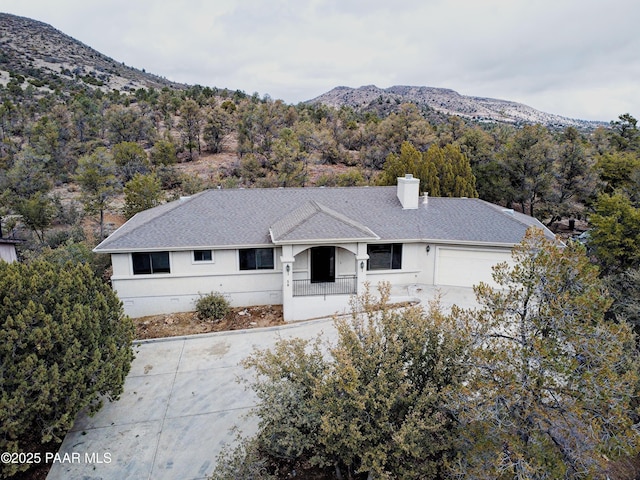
x=323 y=264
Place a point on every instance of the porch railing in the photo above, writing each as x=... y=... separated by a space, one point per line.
x=346 y=285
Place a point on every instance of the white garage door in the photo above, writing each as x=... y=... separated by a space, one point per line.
x=465 y=267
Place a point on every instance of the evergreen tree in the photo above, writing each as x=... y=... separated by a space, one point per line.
x=289 y=161
x=618 y=170
x=625 y=135
x=37 y=213
x=96 y=175
x=615 y=236
x=65 y=344
x=141 y=193
x=163 y=153
x=409 y=160
x=27 y=175
x=552 y=384
x=574 y=178
x=443 y=172
x=130 y=159
x=127 y=124
x=528 y=160
x=190 y=125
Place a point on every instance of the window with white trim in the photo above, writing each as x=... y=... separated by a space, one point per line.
x=203 y=256
x=384 y=256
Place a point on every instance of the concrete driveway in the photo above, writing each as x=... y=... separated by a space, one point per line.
x=180 y=401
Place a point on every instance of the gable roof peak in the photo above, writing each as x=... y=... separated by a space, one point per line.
x=315 y=221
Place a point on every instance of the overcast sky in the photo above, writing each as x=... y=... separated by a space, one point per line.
x=577 y=58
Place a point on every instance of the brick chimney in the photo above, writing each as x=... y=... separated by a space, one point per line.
x=408 y=191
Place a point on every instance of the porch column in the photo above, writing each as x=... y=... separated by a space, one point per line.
x=287 y=282
x=361 y=267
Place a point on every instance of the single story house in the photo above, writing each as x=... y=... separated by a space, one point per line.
x=309 y=249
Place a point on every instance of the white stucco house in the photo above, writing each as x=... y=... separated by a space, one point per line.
x=309 y=249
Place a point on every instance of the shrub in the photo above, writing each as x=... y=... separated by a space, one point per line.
x=65 y=345
x=372 y=404
x=212 y=307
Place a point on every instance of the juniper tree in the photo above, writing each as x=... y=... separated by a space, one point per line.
x=130 y=158
x=65 y=344
x=615 y=236
x=443 y=172
x=141 y=193
x=550 y=391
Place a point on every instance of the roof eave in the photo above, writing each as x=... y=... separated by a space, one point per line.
x=324 y=241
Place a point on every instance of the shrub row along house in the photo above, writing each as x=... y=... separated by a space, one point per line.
x=308 y=249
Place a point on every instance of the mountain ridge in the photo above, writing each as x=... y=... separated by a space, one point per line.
x=444 y=101
x=44 y=57
x=37 y=54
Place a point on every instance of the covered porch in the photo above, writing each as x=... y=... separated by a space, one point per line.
x=320 y=280
x=324 y=258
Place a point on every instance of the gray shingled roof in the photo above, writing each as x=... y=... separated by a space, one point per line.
x=249 y=217
x=314 y=222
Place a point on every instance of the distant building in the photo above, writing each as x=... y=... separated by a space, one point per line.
x=309 y=249
x=8 y=249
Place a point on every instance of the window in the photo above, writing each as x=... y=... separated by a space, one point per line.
x=387 y=256
x=256 y=259
x=148 y=263
x=202 y=256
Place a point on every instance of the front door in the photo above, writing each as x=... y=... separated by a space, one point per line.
x=323 y=264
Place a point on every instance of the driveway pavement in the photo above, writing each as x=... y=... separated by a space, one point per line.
x=180 y=401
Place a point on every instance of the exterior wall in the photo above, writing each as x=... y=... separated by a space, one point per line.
x=422 y=263
x=345 y=262
x=177 y=291
x=417 y=267
x=306 y=308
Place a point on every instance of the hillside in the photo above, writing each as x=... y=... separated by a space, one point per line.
x=35 y=53
x=444 y=102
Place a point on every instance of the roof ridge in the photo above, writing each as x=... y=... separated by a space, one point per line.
x=312 y=203
x=344 y=218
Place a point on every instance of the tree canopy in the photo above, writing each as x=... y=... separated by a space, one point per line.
x=534 y=384
x=551 y=390
x=443 y=172
x=65 y=344
x=374 y=405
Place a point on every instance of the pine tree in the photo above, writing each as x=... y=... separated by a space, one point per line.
x=64 y=345
x=141 y=193
x=552 y=384
x=96 y=175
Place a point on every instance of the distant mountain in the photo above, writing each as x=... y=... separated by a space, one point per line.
x=34 y=53
x=37 y=53
x=442 y=101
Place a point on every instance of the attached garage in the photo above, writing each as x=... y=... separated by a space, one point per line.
x=467 y=267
